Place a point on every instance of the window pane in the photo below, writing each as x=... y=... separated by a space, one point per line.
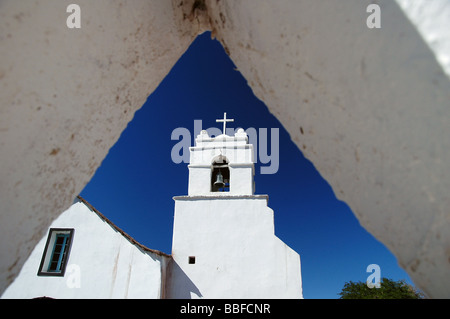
x=59 y=252
x=52 y=266
x=56 y=252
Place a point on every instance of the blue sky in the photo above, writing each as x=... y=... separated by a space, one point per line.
x=135 y=184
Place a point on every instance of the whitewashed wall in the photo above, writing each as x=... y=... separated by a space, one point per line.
x=237 y=254
x=102 y=264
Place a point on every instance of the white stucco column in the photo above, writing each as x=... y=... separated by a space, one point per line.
x=65 y=97
x=369 y=107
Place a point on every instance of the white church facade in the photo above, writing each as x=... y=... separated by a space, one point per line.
x=224 y=244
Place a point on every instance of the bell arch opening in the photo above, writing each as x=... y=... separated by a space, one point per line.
x=220 y=175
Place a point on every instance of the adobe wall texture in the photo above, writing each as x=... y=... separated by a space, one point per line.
x=369 y=107
x=66 y=95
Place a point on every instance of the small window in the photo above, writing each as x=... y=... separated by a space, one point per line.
x=191 y=259
x=56 y=252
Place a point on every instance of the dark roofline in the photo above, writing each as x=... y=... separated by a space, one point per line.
x=124 y=234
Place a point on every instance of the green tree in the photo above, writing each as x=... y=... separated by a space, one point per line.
x=389 y=289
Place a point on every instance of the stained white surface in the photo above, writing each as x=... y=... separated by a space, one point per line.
x=65 y=97
x=369 y=107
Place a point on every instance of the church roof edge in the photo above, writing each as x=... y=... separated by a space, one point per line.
x=124 y=234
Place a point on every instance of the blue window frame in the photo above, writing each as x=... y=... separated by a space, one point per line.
x=56 y=252
x=59 y=253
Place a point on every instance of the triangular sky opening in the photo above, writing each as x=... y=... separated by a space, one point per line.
x=135 y=184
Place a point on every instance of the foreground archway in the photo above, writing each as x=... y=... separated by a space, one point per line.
x=369 y=107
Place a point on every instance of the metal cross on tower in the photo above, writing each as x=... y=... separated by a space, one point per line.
x=224 y=120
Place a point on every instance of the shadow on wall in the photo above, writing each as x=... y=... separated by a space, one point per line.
x=178 y=285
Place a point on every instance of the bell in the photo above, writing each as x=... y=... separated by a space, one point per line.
x=219 y=181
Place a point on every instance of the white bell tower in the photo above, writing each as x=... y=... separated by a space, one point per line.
x=224 y=244
x=221 y=165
